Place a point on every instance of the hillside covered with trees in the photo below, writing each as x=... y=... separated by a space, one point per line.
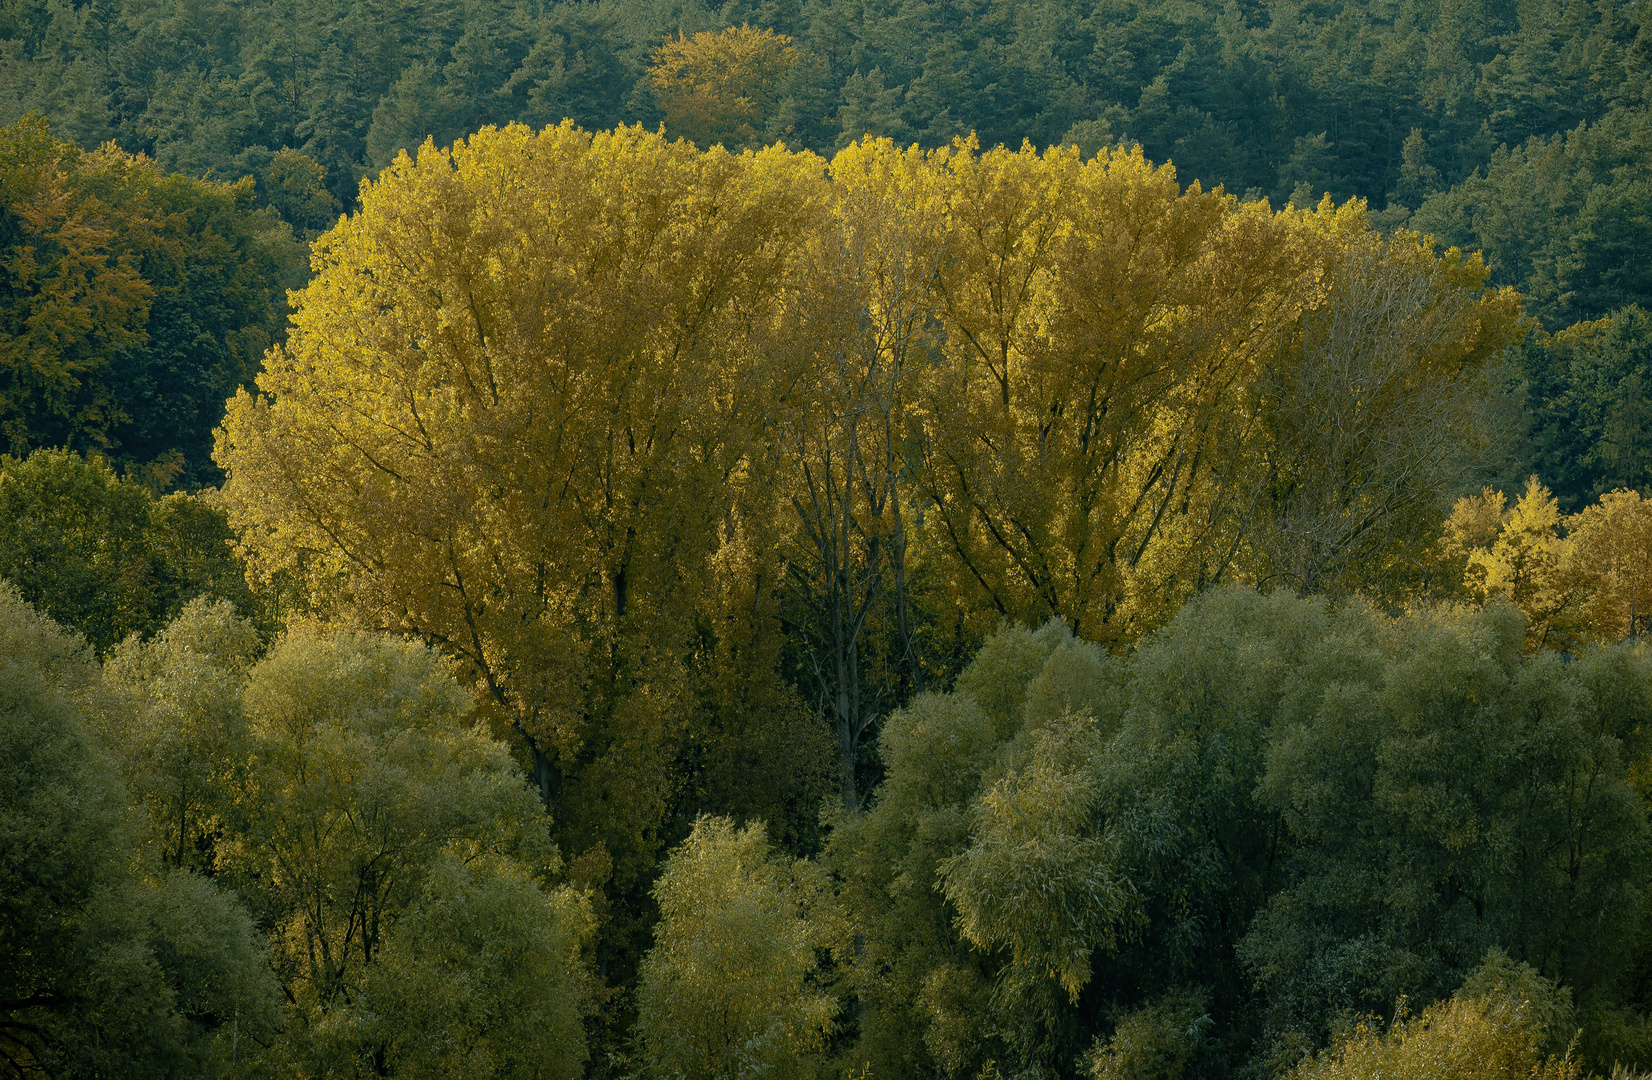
x=1036 y=540
x=1517 y=129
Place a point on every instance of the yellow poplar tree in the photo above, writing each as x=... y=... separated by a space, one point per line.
x=1373 y=410
x=1100 y=327
x=861 y=340
x=1530 y=563
x=1613 y=548
x=722 y=86
x=512 y=417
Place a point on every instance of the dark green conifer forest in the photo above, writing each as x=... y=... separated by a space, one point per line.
x=826 y=539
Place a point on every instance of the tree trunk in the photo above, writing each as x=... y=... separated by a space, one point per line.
x=545 y=774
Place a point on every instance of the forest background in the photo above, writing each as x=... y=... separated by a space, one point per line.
x=1516 y=129
x=779 y=739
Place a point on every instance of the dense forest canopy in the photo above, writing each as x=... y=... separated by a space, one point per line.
x=644 y=540
x=1516 y=129
x=1391 y=101
x=134 y=301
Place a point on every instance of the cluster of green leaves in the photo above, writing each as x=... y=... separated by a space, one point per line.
x=222 y=859
x=1272 y=823
x=104 y=556
x=1583 y=403
x=728 y=988
x=110 y=965
x=1562 y=216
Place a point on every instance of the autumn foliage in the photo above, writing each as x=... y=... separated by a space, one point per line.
x=131 y=302
x=599 y=413
x=932 y=612
x=722 y=87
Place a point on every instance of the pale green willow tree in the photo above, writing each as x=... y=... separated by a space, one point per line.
x=183 y=735
x=729 y=989
x=929 y=1001
x=1272 y=813
x=401 y=862
x=516 y=1010
x=1461 y=796
x=373 y=813
x=110 y=965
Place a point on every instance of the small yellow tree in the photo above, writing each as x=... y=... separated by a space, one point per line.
x=1613 y=547
x=722 y=87
x=1497 y=1026
x=1528 y=561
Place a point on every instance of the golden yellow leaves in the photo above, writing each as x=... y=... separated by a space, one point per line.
x=542 y=380
x=514 y=416
x=516 y=388
x=1584 y=577
x=1103 y=440
x=535 y=363
x=717 y=87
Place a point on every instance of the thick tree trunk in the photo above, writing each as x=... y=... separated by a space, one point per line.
x=545 y=774
x=846 y=760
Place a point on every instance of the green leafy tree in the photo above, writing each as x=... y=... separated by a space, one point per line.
x=295 y=187
x=581 y=66
x=930 y=1000
x=1560 y=216
x=183 y=735
x=108 y=967
x=100 y=554
x=77 y=544
x=1507 y=779
x=135 y=302
x=730 y=988
x=216 y=266
x=1586 y=387
x=365 y=780
x=1271 y=814
x=517 y=1009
